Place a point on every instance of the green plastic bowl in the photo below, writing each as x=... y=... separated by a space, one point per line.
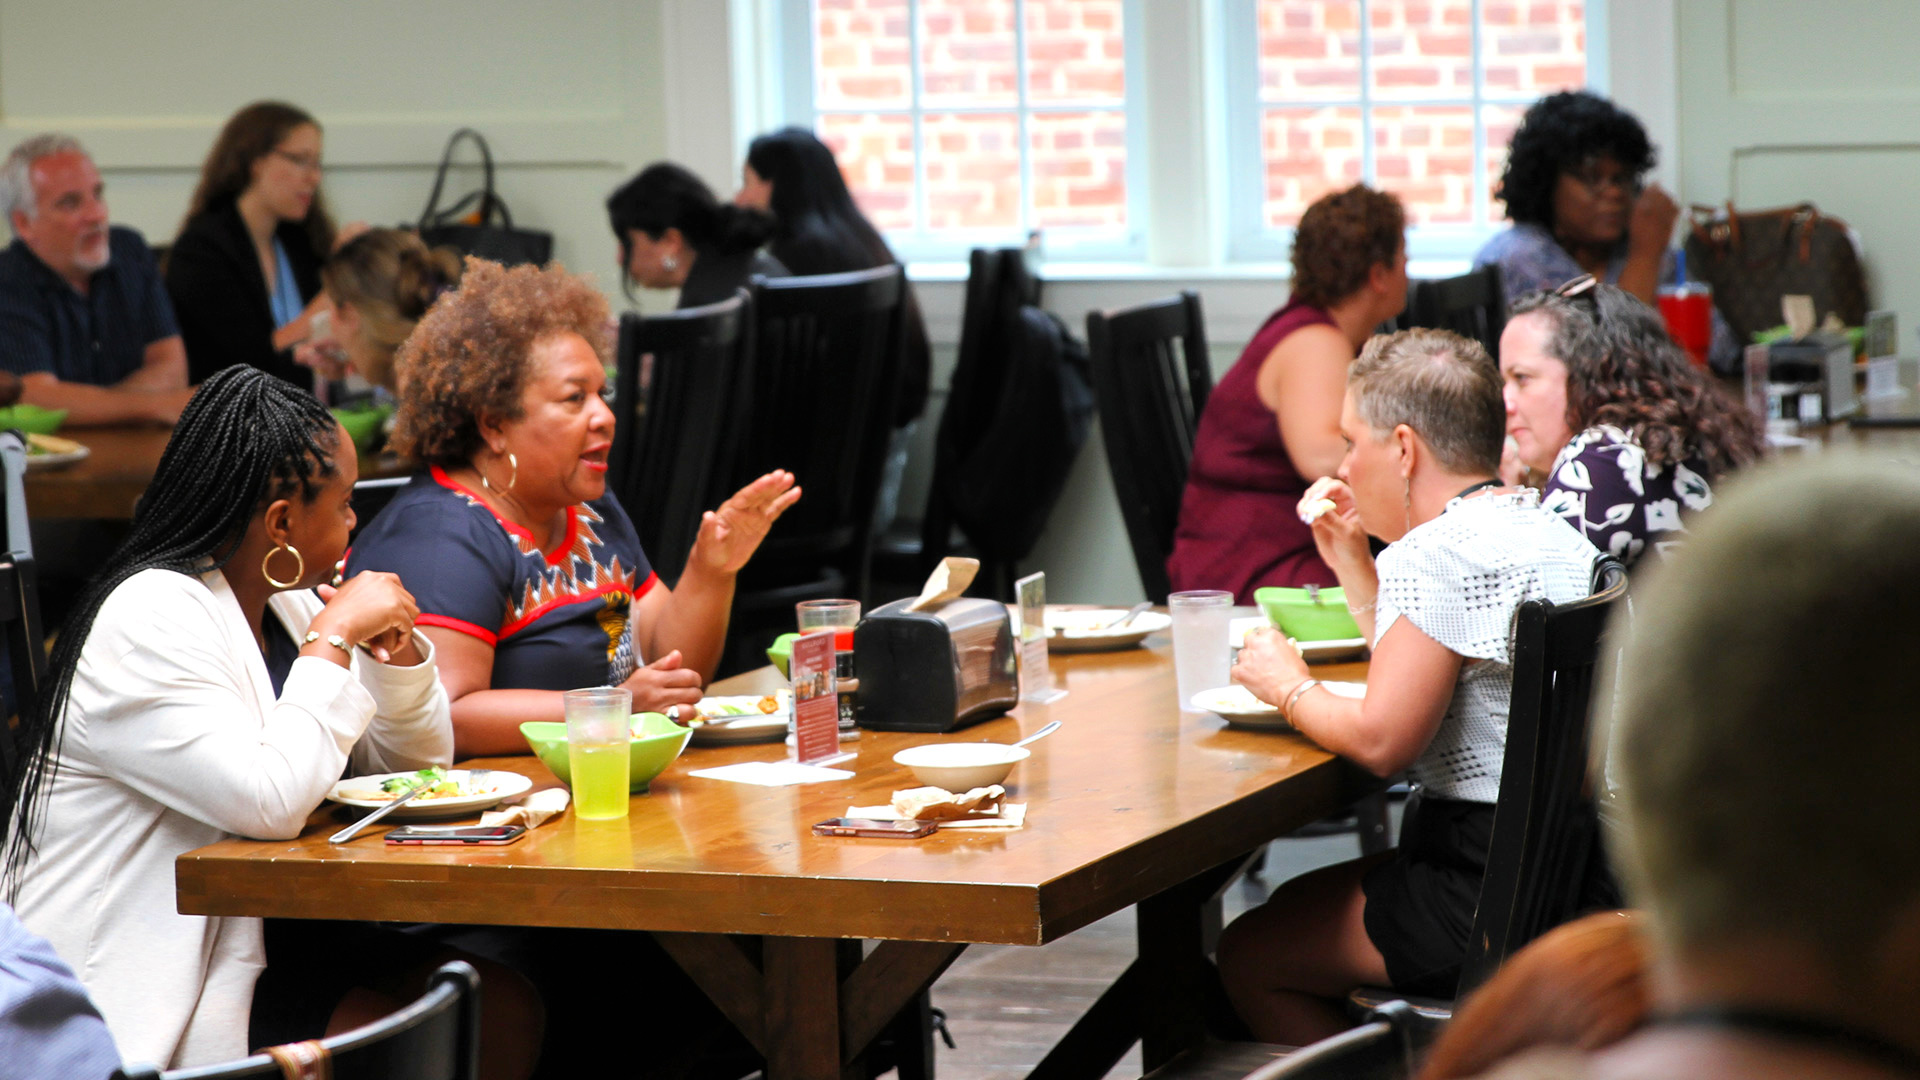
x=656 y=742
x=1302 y=619
x=32 y=419
x=780 y=653
x=363 y=425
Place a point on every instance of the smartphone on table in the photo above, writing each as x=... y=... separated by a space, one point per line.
x=492 y=835
x=888 y=830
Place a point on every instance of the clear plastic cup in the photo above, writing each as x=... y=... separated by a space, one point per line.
x=1202 y=645
x=598 y=753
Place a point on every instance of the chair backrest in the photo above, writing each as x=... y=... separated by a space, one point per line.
x=24 y=655
x=678 y=399
x=822 y=380
x=435 y=1038
x=372 y=496
x=1546 y=847
x=1471 y=305
x=1381 y=1049
x=1151 y=379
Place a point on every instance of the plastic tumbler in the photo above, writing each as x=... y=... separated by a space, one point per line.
x=839 y=616
x=1201 y=642
x=1688 y=312
x=597 y=750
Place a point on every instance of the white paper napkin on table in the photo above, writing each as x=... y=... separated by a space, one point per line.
x=532 y=811
x=773 y=773
x=1012 y=816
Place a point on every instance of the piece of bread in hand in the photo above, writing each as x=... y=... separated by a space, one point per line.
x=939 y=804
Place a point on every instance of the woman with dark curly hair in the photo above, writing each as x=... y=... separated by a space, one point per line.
x=529 y=575
x=1574 y=188
x=1624 y=429
x=1273 y=422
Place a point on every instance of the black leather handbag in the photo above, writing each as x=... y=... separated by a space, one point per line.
x=479 y=223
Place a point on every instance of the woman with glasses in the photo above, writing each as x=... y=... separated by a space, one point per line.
x=1573 y=187
x=1625 y=432
x=244 y=272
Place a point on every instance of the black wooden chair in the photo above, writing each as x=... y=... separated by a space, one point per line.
x=1471 y=305
x=818 y=398
x=1384 y=1048
x=372 y=496
x=1546 y=862
x=1150 y=381
x=435 y=1038
x=25 y=655
x=678 y=399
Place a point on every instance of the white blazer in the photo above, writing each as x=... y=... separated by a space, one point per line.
x=172 y=739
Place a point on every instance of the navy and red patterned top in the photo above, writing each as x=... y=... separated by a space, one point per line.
x=557 y=619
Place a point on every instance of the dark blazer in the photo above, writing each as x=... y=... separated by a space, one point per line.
x=220 y=295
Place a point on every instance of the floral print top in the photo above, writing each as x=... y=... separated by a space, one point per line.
x=1602 y=485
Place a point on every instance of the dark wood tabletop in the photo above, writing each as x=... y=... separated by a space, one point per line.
x=1128 y=802
x=116 y=472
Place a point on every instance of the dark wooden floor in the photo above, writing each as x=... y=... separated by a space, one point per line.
x=1007 y=1005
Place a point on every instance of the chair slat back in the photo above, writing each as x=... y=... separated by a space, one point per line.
x=437 y=1037
x=1381 y=1049
x=1546 y=849
x=823 y=378
x=1472 y=305
x=372 y=496
x=1151 y=379
x=679 y=395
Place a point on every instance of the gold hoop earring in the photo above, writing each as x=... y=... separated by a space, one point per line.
x=513 y=463
x=299 y=572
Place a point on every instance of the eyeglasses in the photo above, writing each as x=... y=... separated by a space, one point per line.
x=1595 y=176
x=1583 y=290
x=303 y=162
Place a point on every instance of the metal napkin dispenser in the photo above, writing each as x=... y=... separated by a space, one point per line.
x=938 y=670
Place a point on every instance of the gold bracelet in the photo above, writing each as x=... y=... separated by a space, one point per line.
x=1292 y=699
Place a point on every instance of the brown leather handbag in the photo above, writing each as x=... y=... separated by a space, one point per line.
x=1753 y=258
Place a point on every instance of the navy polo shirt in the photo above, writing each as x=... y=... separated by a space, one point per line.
x=99 y=338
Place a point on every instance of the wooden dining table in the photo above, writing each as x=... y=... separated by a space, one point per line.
x=1131 y=802
x=119 y=465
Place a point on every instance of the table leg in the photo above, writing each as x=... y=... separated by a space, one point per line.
x=812 y=1006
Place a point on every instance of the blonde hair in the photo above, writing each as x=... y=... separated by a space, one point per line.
x=1443 y=386
x=390 y=278
x=1765 y=737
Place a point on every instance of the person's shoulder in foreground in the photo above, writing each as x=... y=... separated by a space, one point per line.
x=49 y=1028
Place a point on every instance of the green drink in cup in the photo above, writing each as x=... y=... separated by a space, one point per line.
x=597 y=737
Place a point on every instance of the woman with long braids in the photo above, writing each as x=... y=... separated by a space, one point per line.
x=204 y=689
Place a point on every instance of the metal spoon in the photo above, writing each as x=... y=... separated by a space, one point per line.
x=354 y=829
x=1128 y=617
x=1041 y=734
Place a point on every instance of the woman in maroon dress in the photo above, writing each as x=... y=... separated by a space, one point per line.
x=1272 y=425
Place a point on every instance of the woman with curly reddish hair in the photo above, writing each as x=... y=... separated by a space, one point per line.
x=529 y=575
x=1273 y=422
x=1625 y=431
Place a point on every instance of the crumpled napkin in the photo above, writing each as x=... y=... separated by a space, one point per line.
x=532 y=810
x=1012 y=816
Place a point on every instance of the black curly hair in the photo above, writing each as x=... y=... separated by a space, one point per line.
x=1559 y=132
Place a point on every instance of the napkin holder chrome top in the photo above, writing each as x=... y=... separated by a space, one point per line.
x=938 y=670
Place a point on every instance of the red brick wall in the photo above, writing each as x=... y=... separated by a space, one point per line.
x=969 y=59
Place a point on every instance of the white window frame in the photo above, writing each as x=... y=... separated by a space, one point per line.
x=795 y=29
x=1251 y=239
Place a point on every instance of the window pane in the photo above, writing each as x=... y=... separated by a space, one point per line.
x=973 y=170
x=876 y=156
x=1074 y=51
x=1079 y=163
x=967 y=53
x=1422 y=48
x=1533 y=47
x=1309 y=49
x=1425 y=156
x=862 y=55
x=1501 y=122
x=1308 y=152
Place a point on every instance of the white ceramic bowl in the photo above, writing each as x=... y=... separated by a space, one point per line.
x=961 y=765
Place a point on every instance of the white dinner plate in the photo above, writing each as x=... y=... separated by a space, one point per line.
x=1239 y=708
x=1314 y=652
x=50 y=451
x=500 y=786
x=1076 y=630
x=752 y=727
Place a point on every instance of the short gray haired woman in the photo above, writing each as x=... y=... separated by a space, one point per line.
x=1424 y=425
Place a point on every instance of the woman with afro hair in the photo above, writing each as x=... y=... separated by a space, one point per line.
x=1574 y=188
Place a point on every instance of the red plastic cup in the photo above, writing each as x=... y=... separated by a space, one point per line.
x=1688 y=312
